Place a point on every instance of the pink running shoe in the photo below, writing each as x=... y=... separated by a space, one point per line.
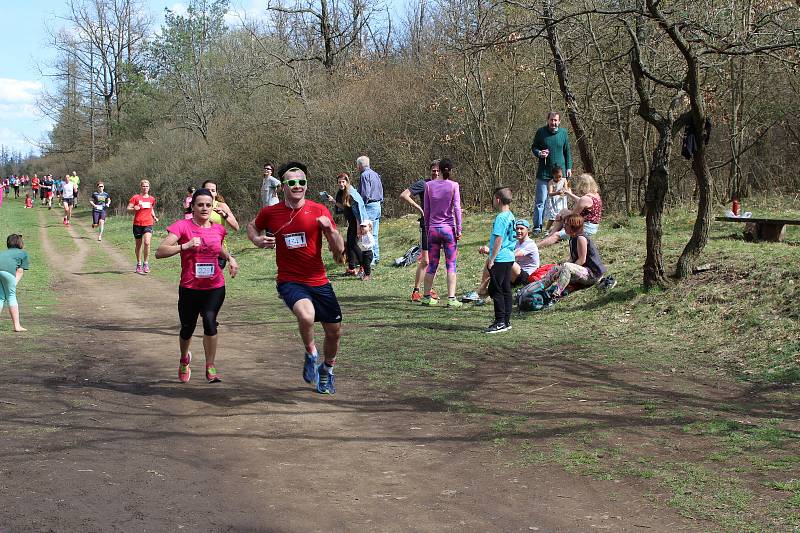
x=146 y=268
x=139 y=269
x=184 y=372
x=211 y=374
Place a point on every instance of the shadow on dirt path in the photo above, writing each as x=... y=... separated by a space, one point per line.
x=98 y=435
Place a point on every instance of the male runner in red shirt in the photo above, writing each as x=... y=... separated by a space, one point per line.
x=295 y=228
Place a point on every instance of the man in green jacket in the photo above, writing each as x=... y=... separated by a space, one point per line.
x=551 y=147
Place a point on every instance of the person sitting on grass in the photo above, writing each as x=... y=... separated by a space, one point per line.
x=584 y=267
x=526 y=261
x=588 y=205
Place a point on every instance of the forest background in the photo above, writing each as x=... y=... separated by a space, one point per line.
x=325 y=81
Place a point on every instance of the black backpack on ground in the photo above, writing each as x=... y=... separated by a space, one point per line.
x=409 y=258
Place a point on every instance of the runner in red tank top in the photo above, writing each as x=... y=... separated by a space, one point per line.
x=295 y=229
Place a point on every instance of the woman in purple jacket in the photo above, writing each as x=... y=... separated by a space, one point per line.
x=442 y=211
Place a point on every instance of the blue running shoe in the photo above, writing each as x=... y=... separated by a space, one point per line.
x=326 y=379
x=310 y=373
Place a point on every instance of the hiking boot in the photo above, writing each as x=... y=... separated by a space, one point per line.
x=416 y=295
x=452 y=302
x=310 y=372
x=429 y=300
x=211 y=374
x=497 y=327
x=325 y=384
x=184 y=372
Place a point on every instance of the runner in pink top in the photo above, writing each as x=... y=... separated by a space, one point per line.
x=202 y=286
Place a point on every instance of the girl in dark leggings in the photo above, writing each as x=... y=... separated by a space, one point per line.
x=351 y=205
x=202 y=285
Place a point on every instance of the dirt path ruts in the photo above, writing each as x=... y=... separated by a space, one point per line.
x=104 y=438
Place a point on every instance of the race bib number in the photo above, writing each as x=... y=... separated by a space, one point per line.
x=204 y=270
x=144 y=205
x=295 y=240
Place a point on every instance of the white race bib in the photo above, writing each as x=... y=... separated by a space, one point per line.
x=204 y=270
x=295 y=240
x=144 y=205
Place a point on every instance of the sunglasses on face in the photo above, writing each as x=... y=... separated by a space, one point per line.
x=293 y=183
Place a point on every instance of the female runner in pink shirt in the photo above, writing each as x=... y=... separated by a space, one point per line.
x=202 y=286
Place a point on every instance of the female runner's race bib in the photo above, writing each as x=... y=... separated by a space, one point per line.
x=204 y=270
x=144 y=205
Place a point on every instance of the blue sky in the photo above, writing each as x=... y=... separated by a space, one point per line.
x=25 y=53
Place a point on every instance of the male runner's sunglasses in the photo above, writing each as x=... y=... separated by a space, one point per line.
x=294 y=183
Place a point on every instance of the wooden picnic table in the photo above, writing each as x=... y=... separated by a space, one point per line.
x=762 y=229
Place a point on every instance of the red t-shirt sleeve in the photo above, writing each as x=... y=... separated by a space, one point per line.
x=262 y=219
x=322 y=210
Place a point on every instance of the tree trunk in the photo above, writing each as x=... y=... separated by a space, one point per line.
x=657 y=188
x=562 y=71
x=699 y=237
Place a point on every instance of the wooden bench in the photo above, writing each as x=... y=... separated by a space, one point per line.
x=762 y=229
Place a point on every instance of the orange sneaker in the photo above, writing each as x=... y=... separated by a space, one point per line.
x=416 y=295
x=434 y=294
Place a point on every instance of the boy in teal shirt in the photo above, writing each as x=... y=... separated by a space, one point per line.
x=500 y=260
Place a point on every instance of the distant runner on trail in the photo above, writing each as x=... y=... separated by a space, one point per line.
x=76 y=181
x=35 y=187
x=67 y=200
x=295 y=228
x=143 y=205
x=202 y=286
x=100 y=201
x=47 y=191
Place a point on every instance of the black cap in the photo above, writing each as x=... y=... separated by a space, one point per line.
x=291 y=165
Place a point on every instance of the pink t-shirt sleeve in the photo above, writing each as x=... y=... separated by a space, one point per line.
x=178 y=228
x=457 y=206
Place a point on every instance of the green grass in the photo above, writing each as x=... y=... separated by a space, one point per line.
x=731 y=463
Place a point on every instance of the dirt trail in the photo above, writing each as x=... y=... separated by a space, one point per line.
x=98 y=435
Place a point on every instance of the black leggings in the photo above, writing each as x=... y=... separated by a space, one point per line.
x=353 y=253
x=194 y=302
x=500 y=291
x=355 y=256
